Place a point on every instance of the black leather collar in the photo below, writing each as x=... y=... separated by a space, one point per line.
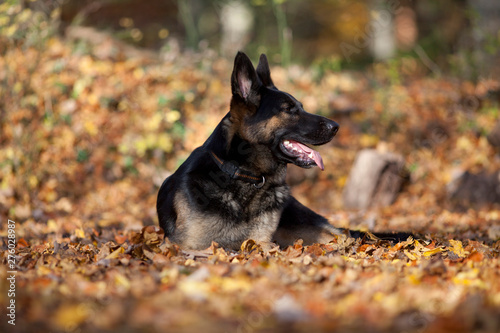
x=235 y=172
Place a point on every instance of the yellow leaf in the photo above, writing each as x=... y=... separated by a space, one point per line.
x=464 y=143
x=151 y=140
x=123 y=148
x=86 y=67
x=409 y=255
x=418 y=246
x=195 y=289
x=341 y=181
x=93 y=99
x=69 y=317
x=232 y=285
x=458 y=249
x=79 y=233
x=367 y=140
x=121 y=280
x=249 y=245
x=469 y=278
x=216 y=86
x=33 y=181
x=429 y=253
x=11 y=30
x=173 y=116
x=163 y=33
x=138 y=73
x=24 y=16
x=6 y=6
x=4 y=20
x=414 y=279
x=190 y=262
x=90 y=127
x=165 y=142
x=153 y=123
x=44 y=270
x=378 y=296
x=79 y=86
x=189 y=97
x=141 y=146
x=50 y=196
x=52 y=226
x=115 y=253
x=493 y=215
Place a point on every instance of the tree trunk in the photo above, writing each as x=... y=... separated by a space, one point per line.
x=375 y=180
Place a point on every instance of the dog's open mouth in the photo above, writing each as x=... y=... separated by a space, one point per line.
x=302 y=152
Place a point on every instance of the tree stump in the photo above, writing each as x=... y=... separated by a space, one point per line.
x=375 y=179
x=474 y=190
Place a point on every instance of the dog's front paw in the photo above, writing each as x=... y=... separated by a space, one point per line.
x=268 y=247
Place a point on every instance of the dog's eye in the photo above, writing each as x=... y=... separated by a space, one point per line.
x=292 y=110
x=285 y=107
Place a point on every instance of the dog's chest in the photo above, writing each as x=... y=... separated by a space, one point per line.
x=232 y=215
x=252 y=203
x=260 y=214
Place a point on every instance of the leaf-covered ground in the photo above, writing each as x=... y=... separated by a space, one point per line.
x=88 y=135
x=109 y=279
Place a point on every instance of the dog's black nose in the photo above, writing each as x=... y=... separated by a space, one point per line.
x=332 y=127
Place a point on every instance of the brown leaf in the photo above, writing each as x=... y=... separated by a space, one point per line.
x=314 y=250
x=135 y=237
x=249 y=246
x=104 y=251
x=152 y=235
x=160 y=259
x=293 y=251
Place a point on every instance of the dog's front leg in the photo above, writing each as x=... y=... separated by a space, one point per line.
x=263 y=229
x=299 y=222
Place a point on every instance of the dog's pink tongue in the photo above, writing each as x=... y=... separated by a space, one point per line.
x=315 y=155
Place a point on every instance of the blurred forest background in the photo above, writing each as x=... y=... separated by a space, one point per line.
x=456 y=35
x=104 y=92
x=100 y=100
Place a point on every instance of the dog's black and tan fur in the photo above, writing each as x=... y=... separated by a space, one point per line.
x=233 y=187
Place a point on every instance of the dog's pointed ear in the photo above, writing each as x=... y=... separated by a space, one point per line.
x=264 y=72
x=244 y=80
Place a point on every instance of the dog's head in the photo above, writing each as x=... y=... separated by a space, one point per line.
x=265 y=116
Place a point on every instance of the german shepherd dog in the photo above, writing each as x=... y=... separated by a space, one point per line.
x=233 y=187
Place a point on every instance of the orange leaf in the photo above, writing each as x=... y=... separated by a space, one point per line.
x=431 y=246
x=476 y=256
x=363 y=248
x=120 y=239
x=22 y=243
